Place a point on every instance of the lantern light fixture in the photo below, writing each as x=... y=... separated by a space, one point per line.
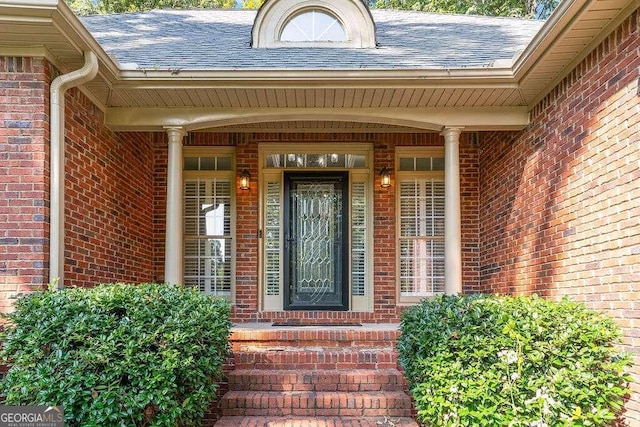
x=245 y=179
x=385 y=178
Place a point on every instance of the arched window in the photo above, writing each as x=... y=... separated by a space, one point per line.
x=313 y=23
x=313 y=26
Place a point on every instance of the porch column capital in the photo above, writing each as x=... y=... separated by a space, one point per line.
x=173 y=261
x=176 y=133
x=452 y=133
x=452 y=224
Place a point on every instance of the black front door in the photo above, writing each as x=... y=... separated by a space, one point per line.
x=316 y=241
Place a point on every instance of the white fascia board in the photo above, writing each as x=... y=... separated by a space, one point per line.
x=46 y=4
x=59 y=15
x=426 y=119
x=624 y=13
x=558 y=23
x=178 y=77
x=28 y=8
x=77 y=33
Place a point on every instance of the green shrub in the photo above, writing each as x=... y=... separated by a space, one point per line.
x=512 y=361
x=117 y=355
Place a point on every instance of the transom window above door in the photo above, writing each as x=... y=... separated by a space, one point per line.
x=315 y=160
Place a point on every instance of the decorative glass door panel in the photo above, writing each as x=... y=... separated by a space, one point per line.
x=316 y=241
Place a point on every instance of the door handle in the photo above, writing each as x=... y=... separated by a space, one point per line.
x=289 y=240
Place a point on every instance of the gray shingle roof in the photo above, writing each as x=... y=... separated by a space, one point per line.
x=220 y=39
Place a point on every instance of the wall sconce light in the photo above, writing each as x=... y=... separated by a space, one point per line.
x=385 y=178
x=245 y=178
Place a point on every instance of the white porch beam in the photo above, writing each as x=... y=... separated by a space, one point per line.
x=426 y=119
x=452 y=221
x=173 y=259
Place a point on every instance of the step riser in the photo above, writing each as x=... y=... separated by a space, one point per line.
x=316 y=334
x=343 y=412
x=356 y=380
x=261 y=421
x=393 y=404
x=306 y=360
x=330 y=345
x=243 y=340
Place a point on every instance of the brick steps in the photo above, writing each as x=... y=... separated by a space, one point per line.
x=306 y=376
x=261 y=421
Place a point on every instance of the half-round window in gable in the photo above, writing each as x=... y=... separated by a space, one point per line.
x=313 y=26
x=311 y=23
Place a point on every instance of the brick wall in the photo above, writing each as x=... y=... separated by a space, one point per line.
x=469 y=212
x=108 y=199
x=384 y=228
x=24 y=176
x=108 y=184
x=160 y=156
x=559 y=202
x=247 y=210
x=385 y=308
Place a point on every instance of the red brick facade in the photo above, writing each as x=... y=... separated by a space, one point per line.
x=559 y=210
x=552 y=209
x=24 y=175
x=108 y=199
x=108 y=188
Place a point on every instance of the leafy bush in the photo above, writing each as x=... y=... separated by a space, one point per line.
x=512 y=361
x=117 y=354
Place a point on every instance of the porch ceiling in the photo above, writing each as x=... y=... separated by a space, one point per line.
x=371 y=100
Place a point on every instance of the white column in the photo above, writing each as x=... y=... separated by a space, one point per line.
x=173 y=258
x=452 y=222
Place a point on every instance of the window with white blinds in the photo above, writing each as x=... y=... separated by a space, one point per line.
x=421 y=227
x=272 y=242
x=358 y=238
x=208 y=227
